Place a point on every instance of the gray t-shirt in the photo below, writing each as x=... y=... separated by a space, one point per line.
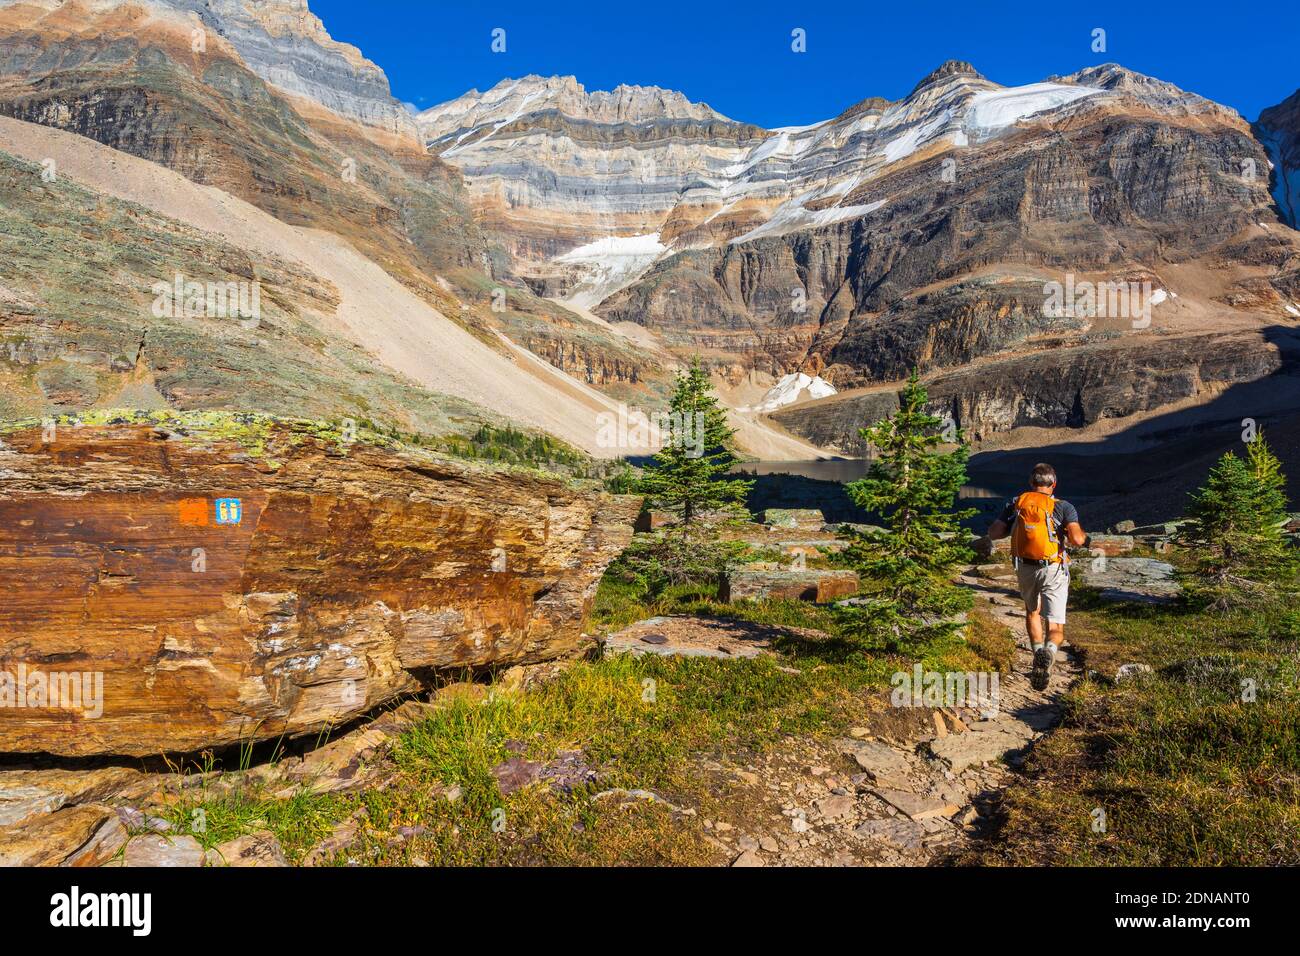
x=1064 y=513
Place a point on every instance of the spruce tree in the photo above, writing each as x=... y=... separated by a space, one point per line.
x=1235 y=526
x=686 y=478
x=911 y=486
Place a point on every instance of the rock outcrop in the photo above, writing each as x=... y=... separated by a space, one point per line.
x=195 y=588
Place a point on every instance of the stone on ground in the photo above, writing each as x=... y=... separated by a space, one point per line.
x=914 y=806
x=960 y=751
x=155 y=849
x=54 y=838
x=884 y=764
x=899 y=833
x=1143 y=580
x=253 y=849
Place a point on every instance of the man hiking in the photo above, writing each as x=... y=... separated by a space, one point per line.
x=1041 y=527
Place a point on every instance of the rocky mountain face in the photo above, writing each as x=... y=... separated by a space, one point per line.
x=129 y=76
x=281 y=41
x=1278 y=128
x=205 y=584
x=922 y=232
x=1059 y=388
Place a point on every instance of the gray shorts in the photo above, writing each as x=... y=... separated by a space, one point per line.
x=1049 y=585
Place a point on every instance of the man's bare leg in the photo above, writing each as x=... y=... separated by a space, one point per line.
x=1034 y=625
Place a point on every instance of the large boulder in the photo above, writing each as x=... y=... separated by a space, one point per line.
x=212 y=581
x=760 y=584
x=1143 y=580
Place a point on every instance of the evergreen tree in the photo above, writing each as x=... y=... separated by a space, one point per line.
x=1235 y=525
x=911 y=487
x=686 y=478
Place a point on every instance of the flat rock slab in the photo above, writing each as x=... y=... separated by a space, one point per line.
x=1112 y=544
x=901 y=834
x=834 y=807
x=155 y=849
x=691 y=637
x=253 y=849
x=914 y=806
x=1143 y=580
x=885 y=765
x=1037 y=717
x=28 y=793
x=56 y=838
x=960 y=751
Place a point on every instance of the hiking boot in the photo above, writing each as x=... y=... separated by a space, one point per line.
x=1042 y=665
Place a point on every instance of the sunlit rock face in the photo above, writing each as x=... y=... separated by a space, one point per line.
x=215 y=591
x=281 y=41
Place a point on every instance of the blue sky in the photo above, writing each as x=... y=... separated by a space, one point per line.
x=737 y=57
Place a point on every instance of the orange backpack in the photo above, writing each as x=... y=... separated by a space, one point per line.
x=1033 y=536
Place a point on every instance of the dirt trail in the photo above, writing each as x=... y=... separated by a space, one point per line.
x=376 y=311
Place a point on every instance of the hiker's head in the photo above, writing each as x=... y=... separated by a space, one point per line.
x=1043 y=478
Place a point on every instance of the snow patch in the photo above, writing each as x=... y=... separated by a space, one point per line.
x=790 y=389
x=991 y=111
x=609 y=264
x=791 y=216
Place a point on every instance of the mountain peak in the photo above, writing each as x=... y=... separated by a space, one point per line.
x=514 y=98
x=1155 y=93
x=945 y=70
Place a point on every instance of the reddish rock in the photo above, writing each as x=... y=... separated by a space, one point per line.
x=342 y=577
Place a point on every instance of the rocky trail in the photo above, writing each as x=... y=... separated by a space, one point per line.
x=901 y=793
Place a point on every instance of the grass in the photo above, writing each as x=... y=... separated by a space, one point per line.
x=644 y=723
x=1186 y=764
x=299 y=822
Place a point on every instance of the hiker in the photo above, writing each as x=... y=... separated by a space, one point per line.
x=1041 y=526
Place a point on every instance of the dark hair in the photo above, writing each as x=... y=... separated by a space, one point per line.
x=1042 y=476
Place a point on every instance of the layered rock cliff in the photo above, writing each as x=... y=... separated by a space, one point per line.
x=234 y=579
x=1059 y=388
x=281 y=41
